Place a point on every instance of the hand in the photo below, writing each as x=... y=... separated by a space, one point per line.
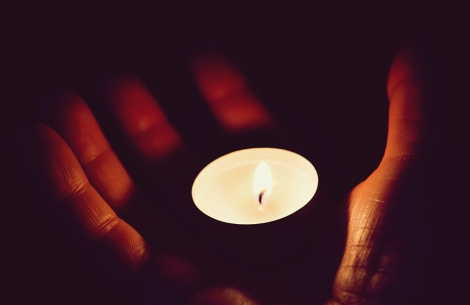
x=385 y=213
x=74 y=166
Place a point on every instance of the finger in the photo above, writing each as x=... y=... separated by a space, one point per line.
x=227 y=93
x=169 y=164
x=141 y=118
x=372 y=264
x=384 y=211
x=68 y=114
x=55 y=173
x=409 y=105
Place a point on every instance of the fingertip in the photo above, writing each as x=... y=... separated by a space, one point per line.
x=403 y=67
x=112 y=84
x=28 y=135
x=411 y=61
x=216 y=76
x=227 y=93
x=411 y=110
x=410 y=89
x=60 y=110
x=54 y=101
x=140 y=117
x=67 y=113
x=134 y=106
x=31 y=141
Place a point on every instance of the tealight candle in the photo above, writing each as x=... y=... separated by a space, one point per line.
x=254 y=186
x=255 y=196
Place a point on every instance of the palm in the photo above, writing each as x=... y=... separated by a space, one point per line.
x=77 y=168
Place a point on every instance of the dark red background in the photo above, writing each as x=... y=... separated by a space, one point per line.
x=321 y=68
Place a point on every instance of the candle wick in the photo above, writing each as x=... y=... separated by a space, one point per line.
x=260 y=196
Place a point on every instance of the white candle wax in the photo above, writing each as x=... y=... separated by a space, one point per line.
x=226 y=189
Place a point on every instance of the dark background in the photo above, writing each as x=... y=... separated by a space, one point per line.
x=321 y=69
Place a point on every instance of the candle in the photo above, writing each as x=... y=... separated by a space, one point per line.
x=255 y=186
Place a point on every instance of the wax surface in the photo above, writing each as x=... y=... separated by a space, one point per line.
x=223 y=190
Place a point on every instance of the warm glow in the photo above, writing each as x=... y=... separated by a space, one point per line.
x=230 y=188
x=262 y=183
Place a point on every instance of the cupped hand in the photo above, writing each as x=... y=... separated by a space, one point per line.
x=70 y=163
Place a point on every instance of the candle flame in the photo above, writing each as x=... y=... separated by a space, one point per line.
x=262 y=183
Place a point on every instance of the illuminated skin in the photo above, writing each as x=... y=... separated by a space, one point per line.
x=73 y=165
